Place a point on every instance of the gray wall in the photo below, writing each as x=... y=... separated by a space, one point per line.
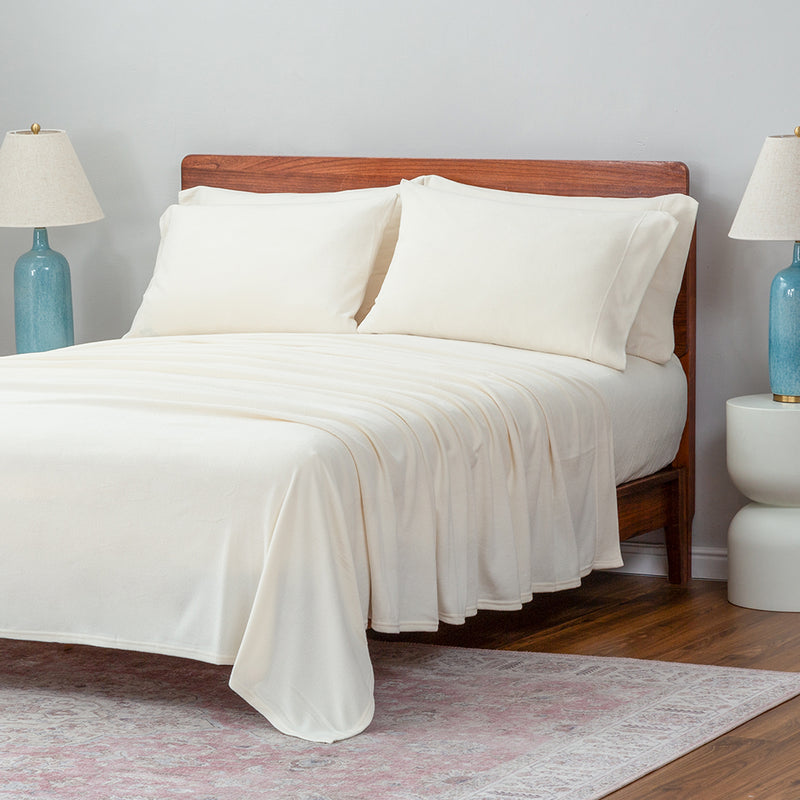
x=139 y=85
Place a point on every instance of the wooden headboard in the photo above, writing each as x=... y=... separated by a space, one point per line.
x=665 y=499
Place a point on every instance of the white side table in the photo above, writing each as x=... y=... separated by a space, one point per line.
x=763 y=438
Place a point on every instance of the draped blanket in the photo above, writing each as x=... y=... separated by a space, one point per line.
x=261 y=499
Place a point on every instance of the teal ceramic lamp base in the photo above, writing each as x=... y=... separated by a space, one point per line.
x=42 y=298
x=784 y=333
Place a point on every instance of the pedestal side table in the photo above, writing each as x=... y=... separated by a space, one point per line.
x=763 y=442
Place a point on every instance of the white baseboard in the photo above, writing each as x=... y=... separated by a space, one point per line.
x=709 y=563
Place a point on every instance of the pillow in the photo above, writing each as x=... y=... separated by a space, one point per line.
x=209 y=195
x=287 y=267
x=651 y=335
x=566 y=281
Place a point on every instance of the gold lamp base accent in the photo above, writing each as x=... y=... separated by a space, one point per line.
x=786 y=398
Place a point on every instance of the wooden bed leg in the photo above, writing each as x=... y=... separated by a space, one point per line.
x=678 y=534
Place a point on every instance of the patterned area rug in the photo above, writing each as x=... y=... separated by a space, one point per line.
x=451 y=724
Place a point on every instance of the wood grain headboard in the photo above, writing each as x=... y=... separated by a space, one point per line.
x=665 y=499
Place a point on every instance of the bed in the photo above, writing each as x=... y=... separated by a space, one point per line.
x=260 y=497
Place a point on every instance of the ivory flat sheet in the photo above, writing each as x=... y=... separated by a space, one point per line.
x=260 y=499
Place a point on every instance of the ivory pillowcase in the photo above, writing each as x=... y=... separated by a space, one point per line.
x=651 y=335
x=274 y=267
x=566 y=281
x=211 y=195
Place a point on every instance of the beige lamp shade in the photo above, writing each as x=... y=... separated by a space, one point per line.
x=770 y=207
x=42 y=183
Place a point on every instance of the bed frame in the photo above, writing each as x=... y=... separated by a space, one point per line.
x=662 y=500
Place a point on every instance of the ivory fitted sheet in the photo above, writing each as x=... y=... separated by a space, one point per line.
x=647 y=407
x=261 y=499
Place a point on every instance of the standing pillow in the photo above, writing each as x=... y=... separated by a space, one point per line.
x=211 y=195
x=287 y=267
x=652 y=335
x=566 y=281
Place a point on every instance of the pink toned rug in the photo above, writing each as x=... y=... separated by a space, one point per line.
x=451 y=724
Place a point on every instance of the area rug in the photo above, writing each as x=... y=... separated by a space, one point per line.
x=451 y=724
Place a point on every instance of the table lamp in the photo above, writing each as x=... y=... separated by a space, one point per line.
x=42 y=184
x=770 y=209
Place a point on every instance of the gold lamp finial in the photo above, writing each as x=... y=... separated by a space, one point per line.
x=797 y=131
x=35 y=128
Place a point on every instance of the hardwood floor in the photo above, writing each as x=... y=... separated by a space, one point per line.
x=642 y=617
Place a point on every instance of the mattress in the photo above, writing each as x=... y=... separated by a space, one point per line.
x=647 y=406
x=260 y=499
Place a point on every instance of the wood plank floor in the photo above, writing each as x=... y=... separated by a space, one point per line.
x=642 y=617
